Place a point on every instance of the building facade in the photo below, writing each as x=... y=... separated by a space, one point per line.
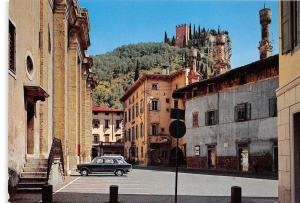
x=231 y=119
x=50 y=82
x=288 y=95
x=147 y=105
x=107 y=131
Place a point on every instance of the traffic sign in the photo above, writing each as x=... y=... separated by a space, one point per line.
x=177 y=129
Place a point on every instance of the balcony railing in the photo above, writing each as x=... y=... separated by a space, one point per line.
x=160 y=139
x=112 y=144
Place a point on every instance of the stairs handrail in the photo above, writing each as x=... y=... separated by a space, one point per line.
x=55 y=152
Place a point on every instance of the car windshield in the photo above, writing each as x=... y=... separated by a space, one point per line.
x=120 y=161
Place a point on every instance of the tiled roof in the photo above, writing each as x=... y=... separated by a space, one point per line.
x=105 y=109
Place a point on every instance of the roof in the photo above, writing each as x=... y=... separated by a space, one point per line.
x=141 y=79
x=272 y=61
x=105 y=109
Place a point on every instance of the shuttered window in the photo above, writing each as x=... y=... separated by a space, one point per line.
x=154 y=105
x=290 y=25
x=211 y=117
x=12 y=47
x=242 y=112
x=195 y=120
x=273 y=107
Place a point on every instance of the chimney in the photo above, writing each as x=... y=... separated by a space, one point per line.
x=265 y=45
x=193 y=75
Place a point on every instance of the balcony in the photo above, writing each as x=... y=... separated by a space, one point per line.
x=160 y=139
x=108 y=144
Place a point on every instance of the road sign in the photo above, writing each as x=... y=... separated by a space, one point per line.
x=177 y=129
x=177 y=114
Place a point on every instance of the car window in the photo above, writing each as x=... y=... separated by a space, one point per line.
x=120 y=161
x=99 y=161
x=108 y=161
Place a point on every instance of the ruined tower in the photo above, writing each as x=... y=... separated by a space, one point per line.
x=193 y=75
x=265 y=45
x=221 y=66
x=182 y=35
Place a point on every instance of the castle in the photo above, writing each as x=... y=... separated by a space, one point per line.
x=214 y=48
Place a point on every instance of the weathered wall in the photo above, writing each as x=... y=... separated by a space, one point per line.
x=260 y=130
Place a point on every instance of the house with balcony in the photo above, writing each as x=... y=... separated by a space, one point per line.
x=147 y=107
x=107 y=131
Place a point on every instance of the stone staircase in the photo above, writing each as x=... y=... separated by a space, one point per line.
x=33 y=176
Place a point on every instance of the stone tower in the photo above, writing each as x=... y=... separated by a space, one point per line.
x=193 y=75
x=182 y=35
x=265 y=45
x=221 y=66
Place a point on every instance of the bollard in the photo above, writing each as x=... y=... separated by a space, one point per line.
x=236 y=194
x=113 y=194
x=47 y=191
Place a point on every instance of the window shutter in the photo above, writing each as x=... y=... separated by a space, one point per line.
x=248 y=111
x=158 y=105
x=150 y=130
x=236 y=113
x=150 y=106
x=298 y=21
x=216 y=117
x=286 y=27
x=206 y=118
x=158 y=129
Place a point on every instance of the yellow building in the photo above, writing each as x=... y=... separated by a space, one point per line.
x=288 y=102
x=50 y=85
x=107 y=131
x=147 y=105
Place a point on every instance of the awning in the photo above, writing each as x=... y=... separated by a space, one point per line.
x=36 y=92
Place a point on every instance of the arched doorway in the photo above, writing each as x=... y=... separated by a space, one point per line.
x=180 y=157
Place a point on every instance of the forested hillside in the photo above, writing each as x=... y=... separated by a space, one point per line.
x=118 y=69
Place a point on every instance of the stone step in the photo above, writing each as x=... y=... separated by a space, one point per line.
x=37 y=161
x=34 y=174
x=32 y=179
x=29 y=190
x=34 y=169
x=35 y=165
x=31 y=184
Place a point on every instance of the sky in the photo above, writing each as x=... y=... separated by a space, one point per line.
x=119 y=22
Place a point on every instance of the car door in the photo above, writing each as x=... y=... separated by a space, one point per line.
x=109 y=165
x=99 y=165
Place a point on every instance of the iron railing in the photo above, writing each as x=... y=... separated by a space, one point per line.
x=55 y=152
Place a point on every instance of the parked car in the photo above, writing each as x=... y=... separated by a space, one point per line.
x=105 y=164
x=119 y=157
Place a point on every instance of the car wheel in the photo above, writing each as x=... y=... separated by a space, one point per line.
x=119 y=172
x=84 y=172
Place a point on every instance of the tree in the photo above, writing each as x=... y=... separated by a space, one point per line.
x=173 y=42
x=190 y=31
x=137 y=71
x=166 y=40
x=194 y=34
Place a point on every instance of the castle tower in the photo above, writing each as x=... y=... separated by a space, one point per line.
x=182 y=35
x=221 y=66
x=265 y=45
x=193 y=75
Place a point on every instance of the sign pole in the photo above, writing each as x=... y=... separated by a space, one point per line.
x=176 y=172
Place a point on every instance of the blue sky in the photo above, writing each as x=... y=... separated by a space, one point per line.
x=119 y=22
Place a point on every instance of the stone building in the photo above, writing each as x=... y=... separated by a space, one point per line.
x=231 y=118
x=147 y=105
x=288 y=95
x=107 y=131
x=50 y=83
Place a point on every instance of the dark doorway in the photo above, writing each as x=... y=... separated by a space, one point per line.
x=30 y=127
x=275 y=157
x=243 y=156
x=94 y=153
x=211 y=156
x=180 y=157
x=297 y=156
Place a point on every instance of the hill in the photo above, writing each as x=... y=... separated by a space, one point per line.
x=117 y=70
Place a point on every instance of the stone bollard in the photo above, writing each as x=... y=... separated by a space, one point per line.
x=236 y=194
x=113 y=194
x=47 y=192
